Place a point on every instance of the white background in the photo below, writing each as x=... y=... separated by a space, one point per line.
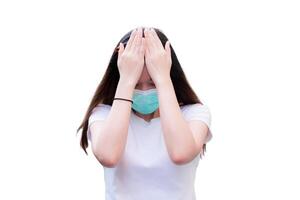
x=241 y=57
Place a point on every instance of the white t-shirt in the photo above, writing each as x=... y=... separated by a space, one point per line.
x=145 y=172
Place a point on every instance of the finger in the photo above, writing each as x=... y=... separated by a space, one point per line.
x=156 y=39
x=142 y=47
x=168 y=48
x=149 y=40
x=147 y=51
x=132 y=36
x=137 y=40
x=121 y=49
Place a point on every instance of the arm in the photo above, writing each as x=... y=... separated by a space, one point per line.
x=184 y=140
x=108 y=146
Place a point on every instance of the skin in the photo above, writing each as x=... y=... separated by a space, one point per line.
x=142 y=59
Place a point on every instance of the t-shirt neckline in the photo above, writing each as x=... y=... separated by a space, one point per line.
x=144 y=121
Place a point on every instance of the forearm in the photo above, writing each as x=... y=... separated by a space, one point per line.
x=178 y=136
x=113 y=139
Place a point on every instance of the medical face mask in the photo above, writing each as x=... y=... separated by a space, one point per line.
x=145 y=102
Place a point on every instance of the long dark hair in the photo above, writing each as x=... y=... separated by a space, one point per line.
x=106 y=89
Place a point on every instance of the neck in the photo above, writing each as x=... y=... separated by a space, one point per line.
x=148 y=117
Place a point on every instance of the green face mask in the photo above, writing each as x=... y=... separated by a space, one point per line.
x=145 y=102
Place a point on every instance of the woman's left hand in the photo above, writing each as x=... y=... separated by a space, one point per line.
x=157 y=58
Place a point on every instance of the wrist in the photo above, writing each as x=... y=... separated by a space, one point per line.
x=163 y=82
x=124 y=89
x=127 y=83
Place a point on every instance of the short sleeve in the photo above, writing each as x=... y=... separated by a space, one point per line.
x=99 y=113
x=199 y=112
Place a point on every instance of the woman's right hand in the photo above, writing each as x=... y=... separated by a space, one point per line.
x=131 y=59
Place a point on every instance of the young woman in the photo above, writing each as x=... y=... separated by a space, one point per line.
x=146 y=125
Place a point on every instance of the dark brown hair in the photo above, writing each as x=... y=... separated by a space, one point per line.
x=106 y=89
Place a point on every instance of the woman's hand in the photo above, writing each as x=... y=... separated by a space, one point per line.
x=158 y=59
x=131 y=59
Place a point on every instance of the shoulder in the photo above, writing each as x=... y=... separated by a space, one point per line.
x=196 y=111
x=99 y=112
x=194 y=107
x=101 y=107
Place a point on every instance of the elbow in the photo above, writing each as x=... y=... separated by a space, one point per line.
x=179 y=159
x=106 y=161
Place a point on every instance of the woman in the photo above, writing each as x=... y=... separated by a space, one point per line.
x=146 y=125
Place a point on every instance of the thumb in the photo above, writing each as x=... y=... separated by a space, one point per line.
x=168 y=48
x=121 y=49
